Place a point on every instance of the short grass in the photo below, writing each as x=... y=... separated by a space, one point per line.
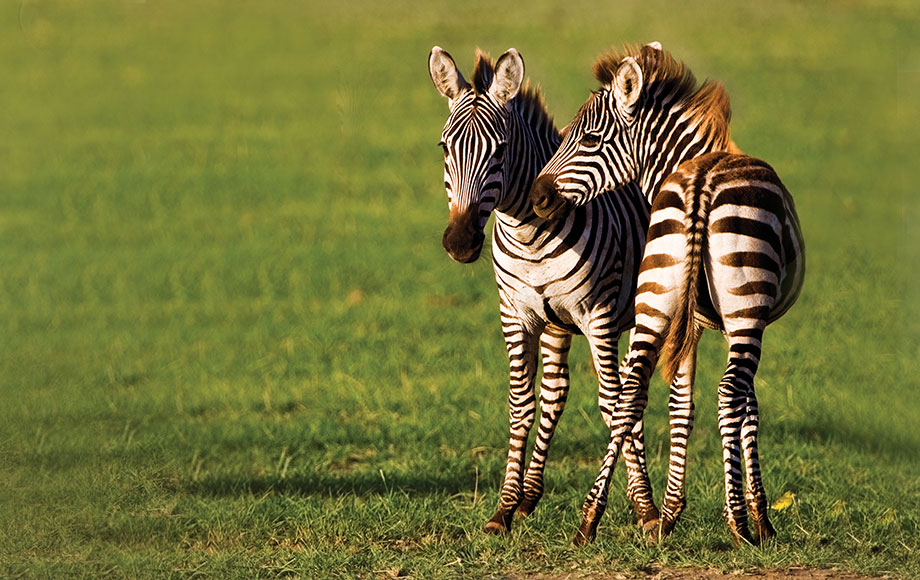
x=232 y=346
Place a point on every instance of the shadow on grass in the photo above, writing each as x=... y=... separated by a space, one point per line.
x=330 y=485
x=855 y=438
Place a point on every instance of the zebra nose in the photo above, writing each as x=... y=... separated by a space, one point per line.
x=462 y=239
x=546 y=202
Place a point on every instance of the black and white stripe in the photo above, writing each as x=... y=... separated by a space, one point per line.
x=724 y=251
x=555 y=278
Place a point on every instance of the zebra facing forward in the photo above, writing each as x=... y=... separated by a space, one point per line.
x=555 y=278
x=724 y=251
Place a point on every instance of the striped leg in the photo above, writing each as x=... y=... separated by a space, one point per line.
x=657 y=298
x=638 y=489
x=680 y=411
x=522 y=356
x=554 y=389
x=638 y=486
x=733 y=404
x=738 y=420
x=745 y=299
x=627 y=413
x=755 y=494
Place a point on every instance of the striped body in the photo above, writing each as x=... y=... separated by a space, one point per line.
x=724 y=251
x=555 y=278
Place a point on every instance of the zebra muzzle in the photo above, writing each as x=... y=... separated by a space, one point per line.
x=463 y=238
x=547 y=203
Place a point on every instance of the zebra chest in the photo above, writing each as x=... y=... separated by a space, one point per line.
x=555 y=291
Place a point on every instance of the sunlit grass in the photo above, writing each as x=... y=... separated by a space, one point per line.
x=232 y=345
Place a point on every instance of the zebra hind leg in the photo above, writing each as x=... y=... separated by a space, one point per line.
x=755 y=494
x=604 y=352
x=680 y=411
x=733 y=409
x=554 y=390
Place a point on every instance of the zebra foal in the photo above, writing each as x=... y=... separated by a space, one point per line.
x=555 y=278
x=724 y=251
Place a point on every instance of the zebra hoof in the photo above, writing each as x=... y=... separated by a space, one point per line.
x=586 y=533
x=763 y=531
x=658 y=530
x=527 y=506
x=741 y=536
x=649 y=517
x=653 y=533
x=500 y=522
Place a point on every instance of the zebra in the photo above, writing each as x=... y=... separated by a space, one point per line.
x=724 y=251
x=555 y=278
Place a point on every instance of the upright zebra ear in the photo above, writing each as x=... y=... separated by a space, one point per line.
x=444 y=74
x=509 y=74
x=627 y=84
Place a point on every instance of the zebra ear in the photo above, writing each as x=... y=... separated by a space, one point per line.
x=509 y=74
x=627 y=84
x=444 y=74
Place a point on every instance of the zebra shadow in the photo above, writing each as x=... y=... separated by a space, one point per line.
x=362 y=483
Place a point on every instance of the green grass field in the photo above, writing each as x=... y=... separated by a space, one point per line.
x=231 y=344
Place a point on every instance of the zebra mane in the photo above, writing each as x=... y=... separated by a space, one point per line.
x=529 y=101
x=483 y=72
x=664 y=76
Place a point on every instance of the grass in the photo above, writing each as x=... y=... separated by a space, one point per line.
x=232 y=345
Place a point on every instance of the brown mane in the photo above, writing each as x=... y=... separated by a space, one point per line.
x=483 y=72
x=672 y=81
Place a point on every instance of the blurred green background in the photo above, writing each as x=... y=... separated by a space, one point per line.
x=231 y=344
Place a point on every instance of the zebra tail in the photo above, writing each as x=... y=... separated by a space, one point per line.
x=680 y=340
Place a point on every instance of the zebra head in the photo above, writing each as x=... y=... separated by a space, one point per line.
x=598 y=152
x=474 y=141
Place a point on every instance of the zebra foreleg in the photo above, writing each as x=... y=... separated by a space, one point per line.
x=628 y=412
x=554 y=391
x=522 y=356
x=638 y=486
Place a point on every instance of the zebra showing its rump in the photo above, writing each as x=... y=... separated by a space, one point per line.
x=724 y=251
x=556 y=278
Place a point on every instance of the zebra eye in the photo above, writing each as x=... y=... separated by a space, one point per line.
x=443 y=146
x=590 y=140
x=500 y=150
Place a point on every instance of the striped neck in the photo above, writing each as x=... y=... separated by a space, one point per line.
x=532 y=139
x=676 y=119
x=666 y=141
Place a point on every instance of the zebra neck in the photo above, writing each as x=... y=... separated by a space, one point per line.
x=529 y=149
x=676 y=139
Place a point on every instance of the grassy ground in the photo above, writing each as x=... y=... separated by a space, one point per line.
x=232 y=346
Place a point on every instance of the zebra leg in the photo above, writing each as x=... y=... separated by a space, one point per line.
x=627 y=413
x=680 y=411
x=522 y=356
x=734 y=404
x=755 y=494
x=554 y=390
x=638 y=486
